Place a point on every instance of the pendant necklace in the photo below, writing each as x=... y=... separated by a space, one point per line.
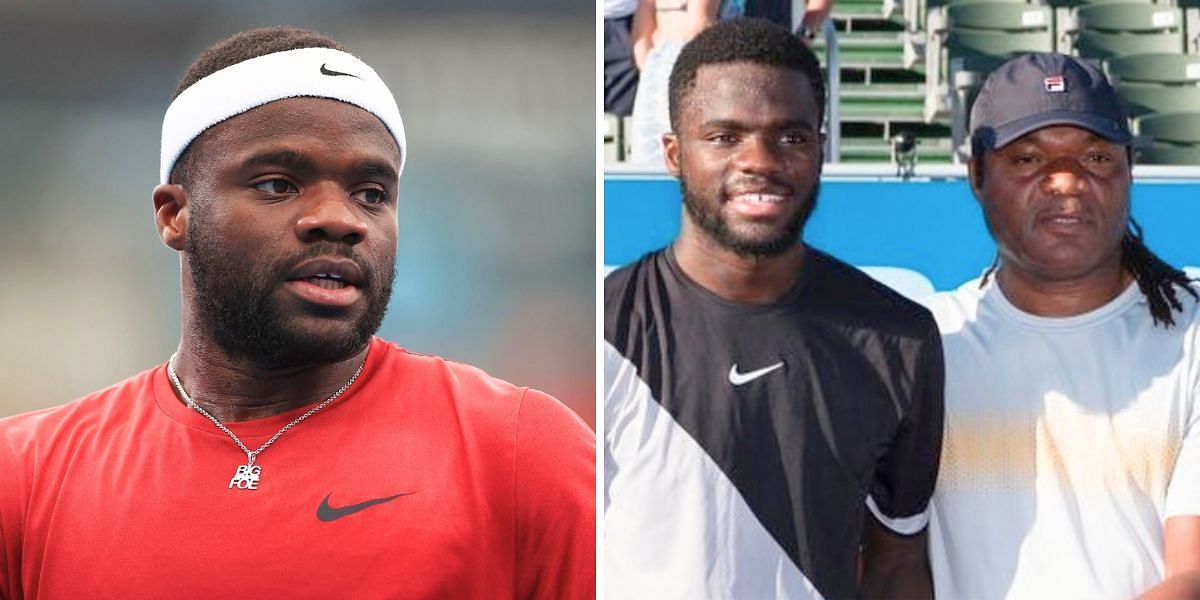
x=247 y=476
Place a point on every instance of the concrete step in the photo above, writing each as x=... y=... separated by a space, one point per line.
x=882 y=102
x=929 y=150
x=857 y=9
x=883 y=91
x=867 y=49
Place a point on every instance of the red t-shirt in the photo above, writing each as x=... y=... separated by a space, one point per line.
x=486 y=491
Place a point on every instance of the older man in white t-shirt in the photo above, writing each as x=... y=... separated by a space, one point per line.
x=1071 y=456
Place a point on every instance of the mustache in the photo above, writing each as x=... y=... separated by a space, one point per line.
x=744 y=182
x=326 y=249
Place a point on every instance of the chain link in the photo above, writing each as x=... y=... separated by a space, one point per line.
x=251 y=455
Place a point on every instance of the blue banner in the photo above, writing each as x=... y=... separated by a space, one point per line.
x=932 y=227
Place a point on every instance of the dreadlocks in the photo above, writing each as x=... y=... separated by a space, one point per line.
x=1154 y=276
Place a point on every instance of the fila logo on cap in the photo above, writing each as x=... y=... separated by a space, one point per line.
x=1055 y=84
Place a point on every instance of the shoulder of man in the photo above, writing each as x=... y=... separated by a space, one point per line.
x=555 y=501
x=1191 y=304
x=952 y=309
x=848 y=290
x=623 y=277
x=623 y=288
x=428 y=375
x=470 y=391
x=34 y=446
x=24 y=433
x=533 y=443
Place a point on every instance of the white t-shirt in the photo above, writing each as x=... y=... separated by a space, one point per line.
x=614 y=9
x=1068 y=443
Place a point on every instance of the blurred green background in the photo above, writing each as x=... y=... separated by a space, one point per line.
x=496 y=257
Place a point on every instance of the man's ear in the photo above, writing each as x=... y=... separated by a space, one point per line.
x=975 y=175
x=170 y=214
x=670 y=141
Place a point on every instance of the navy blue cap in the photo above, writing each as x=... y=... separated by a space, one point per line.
x=1038 y=90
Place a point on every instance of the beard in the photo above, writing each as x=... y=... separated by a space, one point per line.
x=710 y=219
x=234 y=299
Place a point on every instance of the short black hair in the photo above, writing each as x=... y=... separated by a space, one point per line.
x=752 y=40
x=231 y=51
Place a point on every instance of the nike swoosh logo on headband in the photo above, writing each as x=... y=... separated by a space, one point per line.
x=325 y=71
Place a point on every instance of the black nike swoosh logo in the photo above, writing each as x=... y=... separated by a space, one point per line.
x=327 y=513
x=325 y=71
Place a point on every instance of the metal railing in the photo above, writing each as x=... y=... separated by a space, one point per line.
x=833 y=83
x=833 y=79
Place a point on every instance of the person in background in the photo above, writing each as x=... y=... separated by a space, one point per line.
x=660 y=29
x=1071 y=460
x=816 y=12
x=620 y=72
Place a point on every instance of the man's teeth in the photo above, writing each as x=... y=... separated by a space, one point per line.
x=760 y=198
x=327 y=281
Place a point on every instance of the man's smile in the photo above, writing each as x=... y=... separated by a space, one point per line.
x=759 y=206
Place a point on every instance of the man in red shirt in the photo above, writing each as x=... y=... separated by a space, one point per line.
x=283 y=450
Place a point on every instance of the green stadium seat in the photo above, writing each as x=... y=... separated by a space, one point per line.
x=1102 y=45
x=1169 y=155
x=1173 y=128
x=1006 y=16
x=1170 y=68
x=1144 y=99
x=1129 y=17
x=988 y=47
x=1127 y=28
x=981 y=36
x=1170 y=139
x=980 y=51
x=988 y=33
x=1081 y=3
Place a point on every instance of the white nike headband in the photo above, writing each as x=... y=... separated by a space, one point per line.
x=312 y=72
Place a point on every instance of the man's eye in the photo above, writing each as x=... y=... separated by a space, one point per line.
x=794 y=139
x=722 y=138
x=370 y=196
x=1098 y=157
x=276 y=186
x=1025 y=159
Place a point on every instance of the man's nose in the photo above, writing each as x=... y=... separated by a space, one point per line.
x=330 y=214
x=1064 y=177
x=758 y=155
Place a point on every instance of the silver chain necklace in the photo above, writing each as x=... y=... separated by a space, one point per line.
x=247 y=476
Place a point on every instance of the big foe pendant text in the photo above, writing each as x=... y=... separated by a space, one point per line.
x=246 y=477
